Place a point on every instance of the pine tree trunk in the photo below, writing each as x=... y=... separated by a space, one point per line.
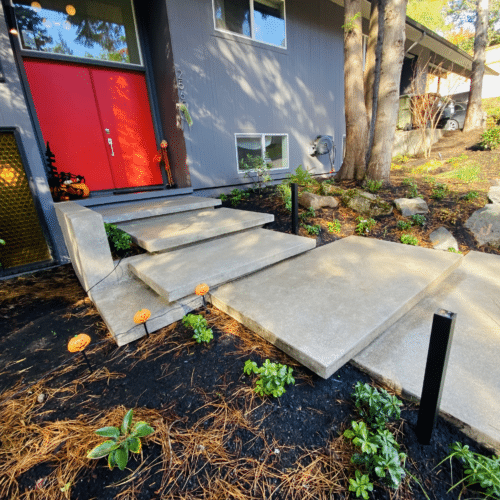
x=354 y=164
x=474 y=115
x=379 y=167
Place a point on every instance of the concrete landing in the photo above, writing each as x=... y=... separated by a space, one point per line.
x=325 y=306
x=171 y=231
x=471 y=392
x=175 y=274
x=151 y=208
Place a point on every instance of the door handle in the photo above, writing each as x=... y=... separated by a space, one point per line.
x=110 y=142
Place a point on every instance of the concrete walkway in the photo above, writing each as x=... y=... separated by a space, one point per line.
x=374 y=301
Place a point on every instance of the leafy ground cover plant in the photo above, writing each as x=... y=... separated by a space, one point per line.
x=440 y=191
x=199 y=325
x=302 y=177
x=285 y=192
x=418 y=220
x=334 y=227
x=412 y=191
x=235 y=196
x=403 y=225
x=123 y=440
x=364 y=226
x=409 y=239
x=118 y=240
x=490 y=138
x=470 y=196
x=314 y=229
x=272 y=377
x=478 y=469
x=379 y=452
x=373 y=186
x=307 y=214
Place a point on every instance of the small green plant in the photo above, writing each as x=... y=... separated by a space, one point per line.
x=223 y=197
x=272 y=377
x=118 y=240
x=310 y=213
x=400 y=158
x=123 y=440
x=440 y=191
x=334 y=227
x=373 y=186
x=471 y=195
x=237 y=196
x=418 y=220
x=452 y=250
x=2 y=242
x=314 y=230
x=403 y=225
x=364 y=226
x=412 y=191
x=349 y=25
x=257 y=166
x=285 y=193
x=302 y=177
x=490 y=138
x=199 y=325
x=478 y=469
x=409 y=239
x=360 y=485
x=455 y=160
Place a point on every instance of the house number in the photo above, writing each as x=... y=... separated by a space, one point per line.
x=180 y=85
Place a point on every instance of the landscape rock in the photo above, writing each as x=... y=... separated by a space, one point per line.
x=315 y=201
x=411 y=206
x=442 y=239
x=366 y=203
x=485 y=225
x=494 y=194
x=41 y=397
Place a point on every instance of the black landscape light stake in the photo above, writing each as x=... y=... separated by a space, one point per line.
x=295 y=208
x=443 y=326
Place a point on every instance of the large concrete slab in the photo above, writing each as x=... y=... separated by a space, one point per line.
x=151 y=208
x=325 y=306
x=171 y=231
x=471 y=392
x=175 y=274
x=118 y=304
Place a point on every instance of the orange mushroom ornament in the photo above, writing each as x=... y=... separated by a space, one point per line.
x=141 y=316
x=201 y=289
x=78 y=344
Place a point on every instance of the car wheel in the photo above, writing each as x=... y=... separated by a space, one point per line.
x=451 y=125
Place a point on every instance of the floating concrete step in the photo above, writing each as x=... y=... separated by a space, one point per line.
x=172 y=231
x=324 y=307
x=151 y=208
x=174 y=275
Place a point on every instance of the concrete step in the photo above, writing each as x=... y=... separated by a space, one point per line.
x=175 y=274
x=120 y=212
x=167 y=232
x=322 y=308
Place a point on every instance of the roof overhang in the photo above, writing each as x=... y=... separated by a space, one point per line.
x=444 y=54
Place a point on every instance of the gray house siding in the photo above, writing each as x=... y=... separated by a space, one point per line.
x=236 y=85
x=14 y=113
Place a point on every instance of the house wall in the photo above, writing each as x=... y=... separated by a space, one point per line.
x=14 y=113
x=235 y=85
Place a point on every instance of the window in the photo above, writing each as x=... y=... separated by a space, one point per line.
x=79 y=28
x=272 y=147
x=261 y=20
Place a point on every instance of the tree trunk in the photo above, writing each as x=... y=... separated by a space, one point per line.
x=372 y=66
x=379 y=167
x=354 y=164
x=474 y=115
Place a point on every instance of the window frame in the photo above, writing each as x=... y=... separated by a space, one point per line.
x=263 y=148
x=252 y=26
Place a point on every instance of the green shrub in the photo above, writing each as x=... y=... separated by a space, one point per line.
x=440 y=191
x=307 y=214
x=237 y=196
x=118 y=240
x=199 y=325
x=364 y=226
x=334 y=227
x=412 y=191
x=285 y=193
x=373 y=186
x=123 y=440
x=403 y=225
x=314 y=230
x=272 y=377
x=490 y=138
x=408 y=239
x=418 y=220
x=471 y=195
x=301 y=177
x=258 y=167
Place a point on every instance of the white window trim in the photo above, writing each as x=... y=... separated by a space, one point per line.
x=263 y=147
x=252 y=27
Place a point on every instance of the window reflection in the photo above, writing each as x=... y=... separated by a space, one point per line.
x=88 y=29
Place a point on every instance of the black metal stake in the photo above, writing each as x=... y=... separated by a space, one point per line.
x=295 y=208
x=146 y=328
x=87 y=360
x=443 y=326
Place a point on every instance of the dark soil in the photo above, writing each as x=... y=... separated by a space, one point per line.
x=214 y=437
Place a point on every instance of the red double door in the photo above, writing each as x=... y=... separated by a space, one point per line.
x=97 y=121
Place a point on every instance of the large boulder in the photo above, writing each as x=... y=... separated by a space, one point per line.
x=366 y=204
x=411 y=206
x=485 y=225
x=315 y=201
x=442 y=239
